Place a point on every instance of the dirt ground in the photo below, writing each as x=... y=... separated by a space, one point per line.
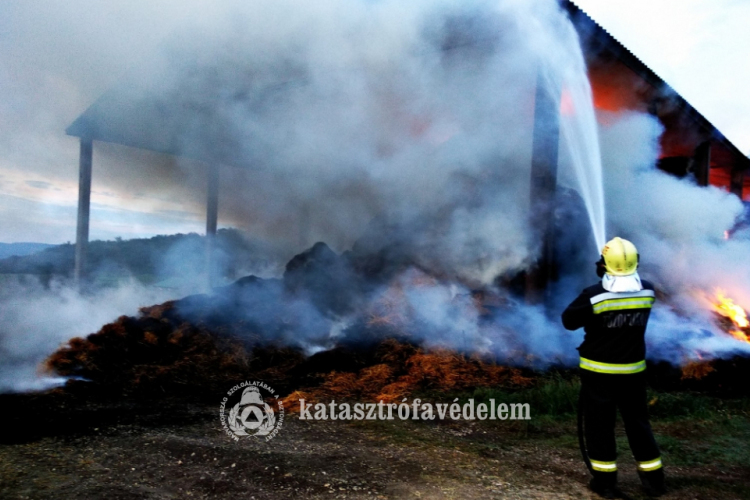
x=183 y=453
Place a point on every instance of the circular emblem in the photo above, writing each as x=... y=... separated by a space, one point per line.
x=251 y=415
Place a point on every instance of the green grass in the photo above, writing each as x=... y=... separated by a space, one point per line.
x=718 y=441
x=683 y=404
x=704 y=441
x=692 y=429
x=555 y=397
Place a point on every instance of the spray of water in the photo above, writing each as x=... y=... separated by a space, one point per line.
x=581 y=139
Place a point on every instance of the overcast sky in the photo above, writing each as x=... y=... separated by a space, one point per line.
x=699 y=47
x=56 y=58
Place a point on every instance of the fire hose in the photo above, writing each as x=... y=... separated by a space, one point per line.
x=581 y=435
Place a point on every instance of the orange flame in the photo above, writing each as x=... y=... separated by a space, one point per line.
x=727 y=308
x=739 y=335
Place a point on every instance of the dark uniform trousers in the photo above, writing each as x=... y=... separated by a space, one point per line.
x=602 y=395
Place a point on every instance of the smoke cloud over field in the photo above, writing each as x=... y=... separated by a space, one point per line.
x=36 y=320
x=402 y=130
x=419 y=115
x=404 y=127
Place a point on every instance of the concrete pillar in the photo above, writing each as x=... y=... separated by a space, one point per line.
x=545 y=148
x=84 y=206
x=212 y=218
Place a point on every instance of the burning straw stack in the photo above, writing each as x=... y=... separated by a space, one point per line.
x=155 y=355
x=257 y=329
x=203 y=344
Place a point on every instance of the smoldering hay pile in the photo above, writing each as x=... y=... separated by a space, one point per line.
x=285 y=333
x=400 y=134
x=348 y=326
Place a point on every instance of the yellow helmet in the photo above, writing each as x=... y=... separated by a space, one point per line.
x=620 y=257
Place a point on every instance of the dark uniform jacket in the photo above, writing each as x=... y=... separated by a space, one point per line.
x=615 y=325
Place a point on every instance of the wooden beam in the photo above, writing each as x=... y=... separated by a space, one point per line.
x=738 y=178
x=702 y=163
x=84 y=208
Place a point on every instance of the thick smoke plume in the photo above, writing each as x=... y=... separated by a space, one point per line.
x=404 y=130
x=680 y=232
x=409 y=127
x=341 y=113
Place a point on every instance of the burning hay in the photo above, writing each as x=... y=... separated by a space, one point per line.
x=153 y=354
x=403 y=370
x=705 y=373
x=262 y=329
x=348 y=340
x=732 y=317
x=160 y=353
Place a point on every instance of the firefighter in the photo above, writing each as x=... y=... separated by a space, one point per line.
x=614 y=314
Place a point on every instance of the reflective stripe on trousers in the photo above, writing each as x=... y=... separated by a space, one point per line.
x=612 y=466
x=613 y=368
x=650 y=465
x=603 y=466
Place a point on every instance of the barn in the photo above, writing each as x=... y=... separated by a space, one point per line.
x=137 y=114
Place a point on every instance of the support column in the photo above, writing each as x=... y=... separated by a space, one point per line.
x=84 y=206
x=212 y=217
x=737 y=179
x=702 y=163
x=543 y=188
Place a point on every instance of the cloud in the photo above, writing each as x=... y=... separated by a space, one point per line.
x=39 y=184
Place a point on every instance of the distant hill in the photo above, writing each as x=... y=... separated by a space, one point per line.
x=21 y=249
x=148 y=259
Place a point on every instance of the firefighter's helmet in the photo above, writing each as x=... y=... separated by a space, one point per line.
x=620 y=257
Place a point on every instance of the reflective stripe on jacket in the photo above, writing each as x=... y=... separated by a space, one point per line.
x=614 y=325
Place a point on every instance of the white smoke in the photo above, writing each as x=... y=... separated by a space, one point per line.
x=35 y=320
x=678 y=228
x=416 y=114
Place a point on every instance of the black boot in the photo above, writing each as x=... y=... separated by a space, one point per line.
x=653 y=482
x=605 y=485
